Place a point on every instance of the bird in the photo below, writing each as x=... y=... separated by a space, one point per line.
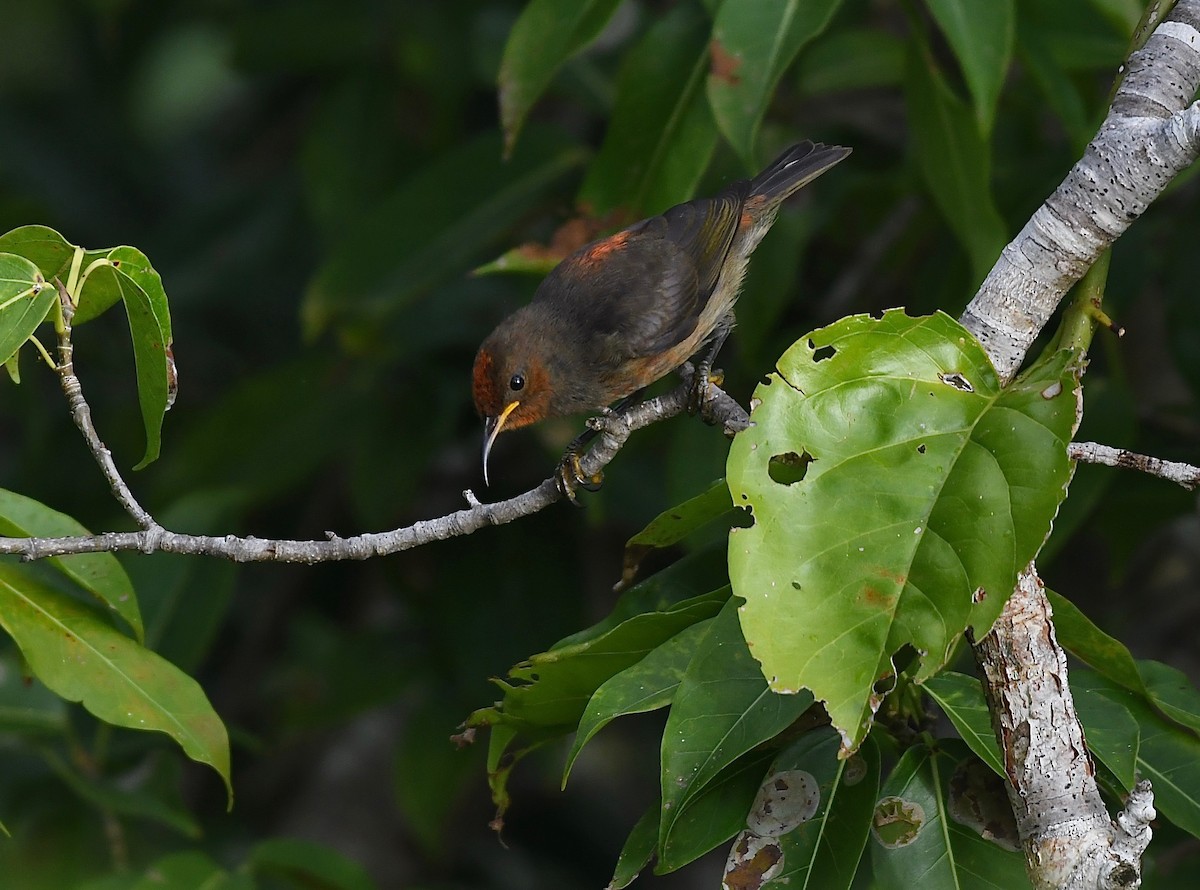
x=625 y=310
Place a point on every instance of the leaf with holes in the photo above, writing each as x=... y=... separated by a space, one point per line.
x=896 y=490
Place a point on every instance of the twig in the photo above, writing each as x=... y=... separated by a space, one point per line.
x=81 y=413
x=614 y=430
x=1173 y=471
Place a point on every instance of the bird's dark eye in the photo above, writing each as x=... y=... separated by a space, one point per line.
x=517 y=383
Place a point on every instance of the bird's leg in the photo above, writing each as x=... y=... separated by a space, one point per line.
x=704 y=372
x=570 y=476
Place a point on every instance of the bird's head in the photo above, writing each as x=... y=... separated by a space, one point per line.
x=511 y=386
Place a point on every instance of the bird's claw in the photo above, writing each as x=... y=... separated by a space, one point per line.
x=698 y=397
x=570 y=477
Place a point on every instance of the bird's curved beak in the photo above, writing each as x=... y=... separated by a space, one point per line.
x=491 y=429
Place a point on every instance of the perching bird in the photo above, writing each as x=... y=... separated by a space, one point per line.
x=621 y=312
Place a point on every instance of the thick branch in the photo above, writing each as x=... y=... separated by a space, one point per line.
x=1150 y=135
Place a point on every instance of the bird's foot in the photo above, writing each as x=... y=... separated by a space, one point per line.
x=570 y=477
x=698 y=397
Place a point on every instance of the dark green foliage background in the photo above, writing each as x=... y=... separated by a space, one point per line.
x=314 y=181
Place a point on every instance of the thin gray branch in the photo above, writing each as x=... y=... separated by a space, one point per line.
x=614 y=431
x=1094 y=453
x=82 y=415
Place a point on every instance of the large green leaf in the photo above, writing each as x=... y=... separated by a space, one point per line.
x=100 y=574
x=547 y=33
x=823 y=852
x=126 y=274
x=721 y=710
x=661 y=132
x=752 y=45
x=955 y=161
x=644 y=686
x=916 y=841
x=981 y=35
x=1112 y=734
x=84 y=659
x=896 y=491
x=191 y=870
x=25 y=300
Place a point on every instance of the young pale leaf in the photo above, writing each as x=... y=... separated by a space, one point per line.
x=896 y=490
x=547 y=33
x=981 y=35
x=752 y=45
x=100 y=574
x=645 y=686
x=955 y=162
x=961 y=699
x=721 y=710
x=127 y=275
x=25 y=300
x=84 y=659
x=823 y=852
x=916 y=839
x=661 y=133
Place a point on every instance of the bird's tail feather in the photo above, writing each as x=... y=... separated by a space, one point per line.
x=795 y=168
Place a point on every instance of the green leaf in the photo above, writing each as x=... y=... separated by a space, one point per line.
x=915 y=841
x=1083 y=639
x=955 y=162
x=1171 y=692
x=922 y=483
x=84 y=659
x=684 y=579
x=716 y=813
x=638 y=850
x=309 y=865
x=752 y=45
x=549 y=691
x=1111 y=733
x=824 y=851
x=674 y=525
x=981 y=35
x=1168 y=755
x=661 y=133
x=25 y=301
x=961 y=699
x=128 y=275
x=100 y=574
x=438 y=224
x=547 y=33
x=647 y=685
x=721 y=710
x=46 y=248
